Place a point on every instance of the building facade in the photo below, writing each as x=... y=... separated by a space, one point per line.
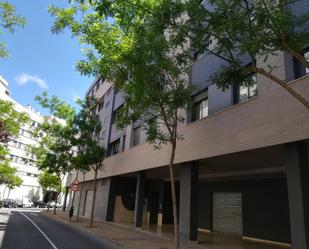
x=242 y=168
x=20 y=155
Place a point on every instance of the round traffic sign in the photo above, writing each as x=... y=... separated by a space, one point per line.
x=74 y=185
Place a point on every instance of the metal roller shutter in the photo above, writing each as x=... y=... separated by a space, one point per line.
x=227 y=213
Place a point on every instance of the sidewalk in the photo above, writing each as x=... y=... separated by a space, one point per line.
x=129 y=238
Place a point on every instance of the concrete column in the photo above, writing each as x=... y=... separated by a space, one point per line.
x=298 y=192
x=188 y=203
x=139 y=199
x=105 y=197
x=110 y=208
x=65 y=198
x=161 y=200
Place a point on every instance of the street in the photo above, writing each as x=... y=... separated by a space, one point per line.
x=28 y=228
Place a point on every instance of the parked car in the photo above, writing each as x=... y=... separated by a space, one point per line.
x=39 y=204
x=51 y=204
x=8 y=203
x=27 y=205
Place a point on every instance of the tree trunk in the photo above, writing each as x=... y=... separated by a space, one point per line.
x=283 y=84
x=4 y=190
x=55 y=206
x=94 y=196
x=297 y=55
x=174 y=197
x=8 y=194
x=58 y=193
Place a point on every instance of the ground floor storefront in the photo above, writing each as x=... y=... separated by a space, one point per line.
x=240 y=200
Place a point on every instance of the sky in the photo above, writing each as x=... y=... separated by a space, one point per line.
x=41 y=61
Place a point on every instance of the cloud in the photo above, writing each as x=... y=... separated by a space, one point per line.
x=24 y=79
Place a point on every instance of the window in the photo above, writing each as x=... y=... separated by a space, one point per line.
x=108 y=91
x=107 y=104
x=28 y=174
x=299 y=69
x=200 y=110
x=103 y=134
x=246 y=92
x=116 y=115
x=136 y=136
x=306 y=55
x=97 y=86
x=114 y=147
x=200 y=106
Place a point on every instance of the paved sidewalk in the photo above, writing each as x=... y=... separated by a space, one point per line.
x=129 y=238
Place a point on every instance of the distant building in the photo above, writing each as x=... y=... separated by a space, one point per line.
x=22 y=159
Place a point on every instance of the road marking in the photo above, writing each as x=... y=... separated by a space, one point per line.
x=40 y=230
x=33 y=214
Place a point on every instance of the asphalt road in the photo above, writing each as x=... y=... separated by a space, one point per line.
x=32 y=230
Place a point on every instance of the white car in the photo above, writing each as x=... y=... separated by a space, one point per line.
x=27 y=205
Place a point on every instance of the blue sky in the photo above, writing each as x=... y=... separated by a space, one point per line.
x=40 y=60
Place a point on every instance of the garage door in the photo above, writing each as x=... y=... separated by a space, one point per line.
x=88 y=203
x=227 y=213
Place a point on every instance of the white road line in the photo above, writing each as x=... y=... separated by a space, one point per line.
x=33 y=214
x=40 y=230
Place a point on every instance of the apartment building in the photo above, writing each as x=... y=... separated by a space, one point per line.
x=242 y=168
x=20 y=155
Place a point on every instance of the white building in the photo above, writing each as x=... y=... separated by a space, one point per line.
x=22 y=159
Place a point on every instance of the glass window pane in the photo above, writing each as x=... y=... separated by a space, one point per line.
x=306 y=55
x=243 y=93
x=203 y=109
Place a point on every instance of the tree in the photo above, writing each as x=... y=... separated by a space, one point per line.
x=49 y=182
x=72 y=144
x=256 y=30
x=10 y=121
x=8 y=176
x=9 y=21
x=54 y=152
x=145 y=55
x=90 y=152
x=13 y=182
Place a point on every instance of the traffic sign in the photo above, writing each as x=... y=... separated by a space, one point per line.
x=74 y=185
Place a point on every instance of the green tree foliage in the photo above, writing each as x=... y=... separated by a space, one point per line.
x=239 y=29
x=70 y=140
x=10 y=121
x=54 y=153
x=49 y=181
x=14 y=181
x=9 y=21
x=90 y=152
x=8 y=176
x=143 y=47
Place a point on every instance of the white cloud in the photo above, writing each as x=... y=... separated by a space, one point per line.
x=24 y=79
